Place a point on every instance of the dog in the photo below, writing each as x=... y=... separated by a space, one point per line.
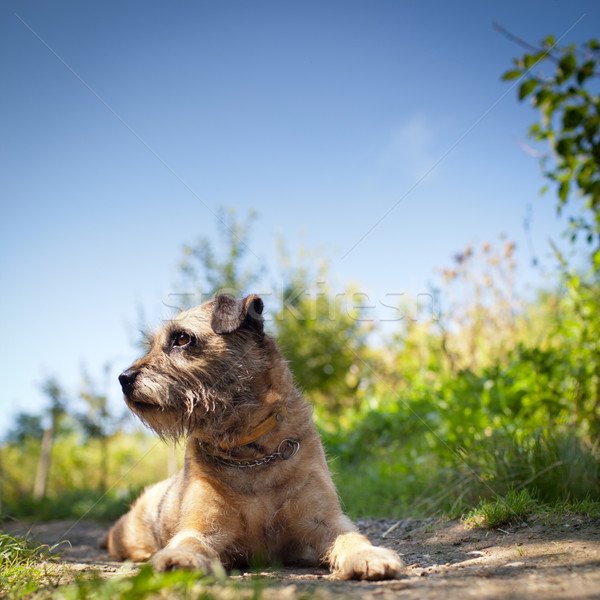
x=255 y=485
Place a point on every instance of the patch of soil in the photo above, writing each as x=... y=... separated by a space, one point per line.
x=444 y=559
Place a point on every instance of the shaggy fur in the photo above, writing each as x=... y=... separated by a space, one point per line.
x=213 y=375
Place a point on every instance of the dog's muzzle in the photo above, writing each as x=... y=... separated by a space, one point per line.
x=127 y=380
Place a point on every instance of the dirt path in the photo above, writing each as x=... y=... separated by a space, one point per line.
x=445 y=560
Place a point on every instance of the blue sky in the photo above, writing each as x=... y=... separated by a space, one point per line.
x=125 y=126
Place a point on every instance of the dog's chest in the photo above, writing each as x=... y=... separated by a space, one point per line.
x=264 y=527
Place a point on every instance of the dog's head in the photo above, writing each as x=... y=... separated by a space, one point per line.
x=201 y=369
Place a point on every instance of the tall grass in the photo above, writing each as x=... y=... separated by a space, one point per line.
x=431 y=476
x=24 y=566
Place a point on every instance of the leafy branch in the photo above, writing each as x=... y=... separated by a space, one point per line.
x=569 y=106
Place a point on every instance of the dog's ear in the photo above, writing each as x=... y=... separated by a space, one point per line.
x=229 y=314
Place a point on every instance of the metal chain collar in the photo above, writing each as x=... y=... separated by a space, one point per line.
x=286 y=449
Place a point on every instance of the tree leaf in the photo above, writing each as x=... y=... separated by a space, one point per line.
x=529 y=60
x=567 y=66
x=585 y=71
x=535 y=130
x=572 y=117
x=563 y=191
x=511 y=75
x=563 y=146
x=527 y=87
x=542 y=96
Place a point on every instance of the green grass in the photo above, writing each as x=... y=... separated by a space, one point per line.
x=586 y=507
x=147 y=584
x=24 y=567
x=27 y=569
x=511 y=508
x=388 y=481
x=517 y=506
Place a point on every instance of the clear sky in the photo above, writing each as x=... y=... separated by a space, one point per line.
x=126 y=125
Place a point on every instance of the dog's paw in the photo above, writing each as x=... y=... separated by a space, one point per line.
x=369 y=562
x=169 y=559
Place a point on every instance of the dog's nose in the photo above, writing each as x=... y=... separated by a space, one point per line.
x=127 y=379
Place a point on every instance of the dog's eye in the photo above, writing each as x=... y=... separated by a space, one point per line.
x=182 y=340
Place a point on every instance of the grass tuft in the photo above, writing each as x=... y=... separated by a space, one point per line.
x=23 y=566
x=513 y=507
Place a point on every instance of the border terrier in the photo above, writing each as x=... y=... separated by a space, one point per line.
x=255 y=485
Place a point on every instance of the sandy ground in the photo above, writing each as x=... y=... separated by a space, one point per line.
x=444 y=560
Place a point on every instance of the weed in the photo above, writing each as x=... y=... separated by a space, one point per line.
x=148 y=584
x=24 y=566
x=586 y=507
x=514 y=506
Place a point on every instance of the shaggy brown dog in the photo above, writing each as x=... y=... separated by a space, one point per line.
x=255 y=483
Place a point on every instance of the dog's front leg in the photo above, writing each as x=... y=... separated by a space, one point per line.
x=188 y=549
x=197 y=523
x=352 y=556
x=349 y=554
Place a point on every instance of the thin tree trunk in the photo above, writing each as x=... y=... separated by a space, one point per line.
x=41 y=477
